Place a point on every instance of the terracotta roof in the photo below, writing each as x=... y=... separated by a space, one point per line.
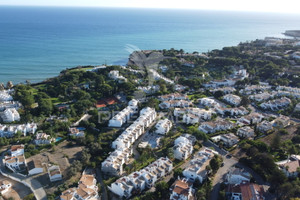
x=16 y=147
x=292 y=166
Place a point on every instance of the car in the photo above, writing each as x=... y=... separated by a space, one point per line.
x=222 y=164
x=228 y=156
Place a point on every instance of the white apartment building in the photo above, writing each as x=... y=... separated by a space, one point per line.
x=140 y=180
x=10 y=115
x=173 y=96
x=128 y=137
x=163 y=126
x=113 y=164
x=123 y=116
x=183 y=148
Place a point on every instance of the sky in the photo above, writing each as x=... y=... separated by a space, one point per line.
x=286 y=6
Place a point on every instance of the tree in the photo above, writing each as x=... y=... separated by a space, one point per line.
x=245 y=101
x=215 y=163
x=161 y=189
x=276 y=142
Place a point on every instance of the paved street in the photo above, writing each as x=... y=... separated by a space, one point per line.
x=35 y=186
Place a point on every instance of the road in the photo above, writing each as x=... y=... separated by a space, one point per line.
x=85 y=117
x=228 y=164
x=33 y=184
x=104 y=195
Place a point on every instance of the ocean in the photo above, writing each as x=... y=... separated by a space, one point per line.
x=38 y=42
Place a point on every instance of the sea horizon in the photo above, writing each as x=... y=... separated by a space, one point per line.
x=38 y=42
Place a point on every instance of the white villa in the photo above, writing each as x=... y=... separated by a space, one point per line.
x=183 y=148
x=140 y=180
x=43 y=138
x=245 y=132
x=54 y=173
x=76 y=132
x=5 y=185
x=123 y=116
x=163 y=126
x=115 y=75
x=254 y=89
x=232 y=99
x=290 y=166
x=15 y=163
x=182 y=190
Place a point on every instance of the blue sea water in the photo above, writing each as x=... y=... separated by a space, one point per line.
x=39 y=42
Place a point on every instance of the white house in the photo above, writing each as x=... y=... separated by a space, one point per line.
x=15 y=163
x=87 y=190
x=43 y=138
x=16 y=150
x=245 y=132
x=232 y=99
x=5 y=185
x=236 y=176
x=158 y=76
x=183 y=148
x=197 y=166
x=35 y=167
x=163 y=126
x=76 y=132
x=10 y=115
x=123 y=116
x=54 y=173
x=182 y=190
x=220 y=83
x=255 y=89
